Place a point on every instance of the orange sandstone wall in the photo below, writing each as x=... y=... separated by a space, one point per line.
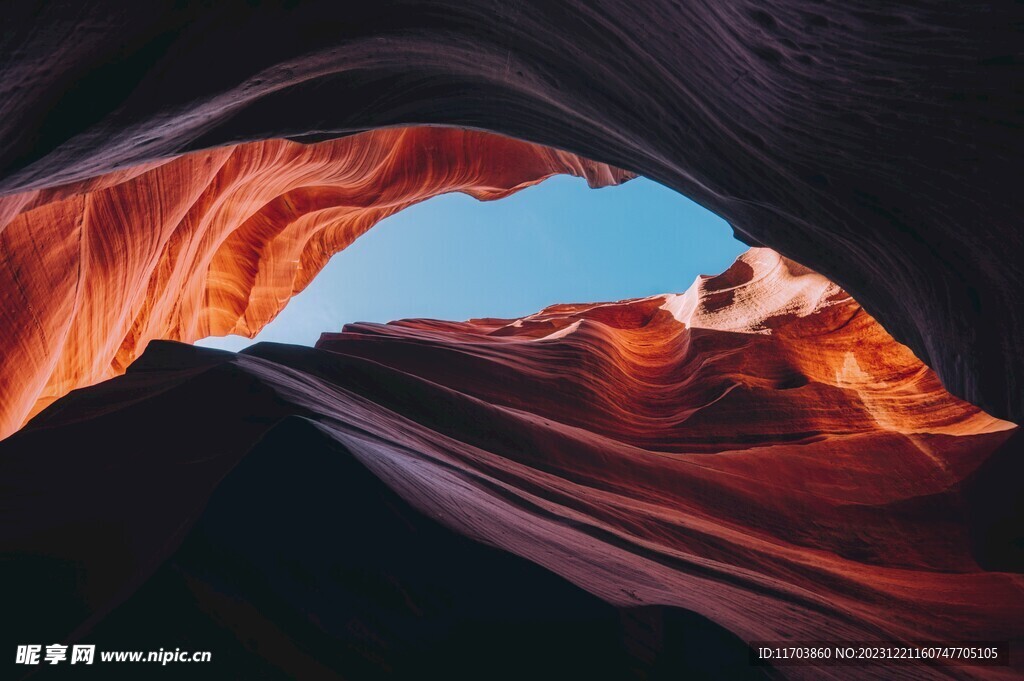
x=214 y=242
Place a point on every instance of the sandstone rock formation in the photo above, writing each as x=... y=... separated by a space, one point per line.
x=756 y=450
x=879 y=144
x=213 y=243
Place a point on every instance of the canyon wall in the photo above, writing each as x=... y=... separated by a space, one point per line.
x=879 y=145
x=756 y=450
x=214 y=242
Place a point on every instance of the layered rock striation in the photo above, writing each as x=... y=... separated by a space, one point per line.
x=214 y=242
x=757 y=451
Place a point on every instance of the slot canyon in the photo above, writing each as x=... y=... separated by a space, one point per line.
x=818 y=443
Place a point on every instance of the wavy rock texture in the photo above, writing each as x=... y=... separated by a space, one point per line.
x=757 y=451
x=878 y=144
x=214 y=243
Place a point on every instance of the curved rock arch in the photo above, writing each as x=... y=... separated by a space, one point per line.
x=879 y=146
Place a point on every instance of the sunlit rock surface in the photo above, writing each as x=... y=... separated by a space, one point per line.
x=214 y=242
x=756 y=450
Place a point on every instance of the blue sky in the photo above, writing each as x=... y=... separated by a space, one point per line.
x=453 y=257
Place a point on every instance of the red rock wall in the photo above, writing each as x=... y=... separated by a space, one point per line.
x=756 y=450
x=214 y=242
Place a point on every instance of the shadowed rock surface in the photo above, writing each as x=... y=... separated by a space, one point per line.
x=756 y=452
